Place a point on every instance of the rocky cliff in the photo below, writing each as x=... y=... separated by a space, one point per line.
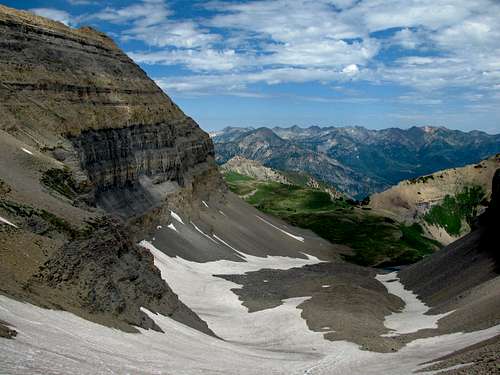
x=91 y=146
x=75 y=93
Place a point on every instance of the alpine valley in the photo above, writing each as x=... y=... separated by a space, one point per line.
x=123 y=251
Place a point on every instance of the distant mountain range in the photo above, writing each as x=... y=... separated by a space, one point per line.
x=356 y=160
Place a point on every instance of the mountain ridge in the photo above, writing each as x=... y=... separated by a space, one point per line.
x=123 y=251
x=82 y=154
x=377 y=159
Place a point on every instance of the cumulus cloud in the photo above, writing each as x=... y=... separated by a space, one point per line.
x=194 y=59
x=445 y=43
x=351 y=70
x=150 y=22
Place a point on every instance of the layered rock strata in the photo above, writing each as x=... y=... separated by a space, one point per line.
x=72 y=101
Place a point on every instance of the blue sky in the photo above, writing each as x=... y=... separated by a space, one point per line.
x=373 y=63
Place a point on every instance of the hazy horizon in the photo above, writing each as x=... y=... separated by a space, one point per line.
x=270 y=126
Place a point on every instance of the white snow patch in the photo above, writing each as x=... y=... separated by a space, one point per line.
x=325 y=286
x=158 y=227
x=273 y=341
x=222 y=213
x=176 y=217
x=5 y=221
x=171 y=226
x=298 y=238
x=205 y=204
x=265 y=281
x=211 y=297
x=26 y=150
x=203 y=233
x=412 y=318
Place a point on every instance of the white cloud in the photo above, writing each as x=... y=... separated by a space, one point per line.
x=169 y=33
x=449 y=43
x=351 y=70
x=194 y=59
x=226 y=82
x=54 y=14
x=82 y=2
x=408 y=38
x=143 y=14
x=150 y=22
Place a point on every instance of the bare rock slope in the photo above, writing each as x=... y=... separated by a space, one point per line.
x=465 y=277
x=257 y=171
x=253 y=169
x=411 y=200
x=84 y=134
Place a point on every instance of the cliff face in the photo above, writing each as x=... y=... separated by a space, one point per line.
x=91 y=150
x=76 y=93
x=74 y=80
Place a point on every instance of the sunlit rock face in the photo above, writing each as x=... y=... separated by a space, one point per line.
x=75 y=92
x=104 y=150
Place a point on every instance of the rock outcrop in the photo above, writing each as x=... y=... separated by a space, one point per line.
x=92 y=147
x=76 y=93
x=107 y=276
x=257 y=171
x=411 y=200
x=254 y=169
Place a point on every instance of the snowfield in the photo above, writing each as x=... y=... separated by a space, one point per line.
x=272 y=341
x=412 y=318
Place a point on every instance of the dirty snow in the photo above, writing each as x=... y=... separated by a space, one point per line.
x=273 y=341
x=5 y=221
x=176 y=217
x=298 y=238
x=412 y=318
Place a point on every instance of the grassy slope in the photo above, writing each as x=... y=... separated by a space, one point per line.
x=455 y=209
x=375 y=240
